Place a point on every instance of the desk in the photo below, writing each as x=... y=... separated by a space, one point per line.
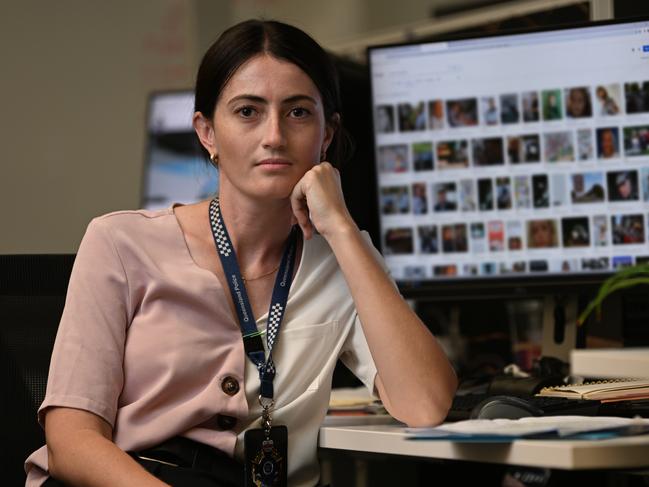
x=619 y=453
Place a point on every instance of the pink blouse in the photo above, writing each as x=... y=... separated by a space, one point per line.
x=147 y=342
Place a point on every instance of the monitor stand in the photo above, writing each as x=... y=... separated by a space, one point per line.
x=559 y=326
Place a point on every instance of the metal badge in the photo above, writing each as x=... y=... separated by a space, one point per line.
x=266 y=457
x=267 y=465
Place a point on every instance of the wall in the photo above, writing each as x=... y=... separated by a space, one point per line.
x=336 y=20
x=325 y=21
x=75 y=78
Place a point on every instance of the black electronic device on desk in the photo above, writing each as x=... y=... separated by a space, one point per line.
x=488 y=406
x=626 y=409
x=520 y=390
x=512 y=398
x=513 y=407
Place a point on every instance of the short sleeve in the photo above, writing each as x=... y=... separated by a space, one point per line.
x=357 y=357
x=356 y=354
x=86 y=367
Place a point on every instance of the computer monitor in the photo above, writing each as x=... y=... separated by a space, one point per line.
x=508 y=159
x=174 y=169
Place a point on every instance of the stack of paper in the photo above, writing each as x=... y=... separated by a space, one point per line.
x=546 y=427
x=356 y=400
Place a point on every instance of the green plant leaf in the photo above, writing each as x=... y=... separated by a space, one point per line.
x=624 y=278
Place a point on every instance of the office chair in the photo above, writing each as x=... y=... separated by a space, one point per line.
x=32 y=295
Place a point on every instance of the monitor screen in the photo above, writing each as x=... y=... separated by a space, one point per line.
x=174 y=170
x=521 y=155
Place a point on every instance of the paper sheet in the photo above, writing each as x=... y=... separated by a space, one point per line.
x=548 y=426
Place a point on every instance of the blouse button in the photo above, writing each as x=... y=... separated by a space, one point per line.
x=230 y=386
x=225 y=422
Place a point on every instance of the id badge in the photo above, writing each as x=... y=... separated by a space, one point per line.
x=265 y=459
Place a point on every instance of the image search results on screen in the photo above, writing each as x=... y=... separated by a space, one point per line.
x=575 y=176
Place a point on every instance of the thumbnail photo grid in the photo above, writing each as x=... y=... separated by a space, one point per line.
x=554 y=180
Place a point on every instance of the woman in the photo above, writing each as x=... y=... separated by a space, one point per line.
x=541 y=234
x=578 y=103
x=605 y=102
x=607 y=146
x=149 y=357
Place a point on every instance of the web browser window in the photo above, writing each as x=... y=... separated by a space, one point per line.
x=514 y=155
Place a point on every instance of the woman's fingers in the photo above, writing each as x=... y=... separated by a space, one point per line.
x=317 y=200
x=301 y=209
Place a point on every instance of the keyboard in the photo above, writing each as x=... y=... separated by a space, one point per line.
x=464 y=404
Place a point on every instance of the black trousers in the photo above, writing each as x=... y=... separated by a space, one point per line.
x=188 y=476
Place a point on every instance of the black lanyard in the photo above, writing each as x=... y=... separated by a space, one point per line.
x=251 y=336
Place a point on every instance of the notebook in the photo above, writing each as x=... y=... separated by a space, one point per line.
x=613 y=390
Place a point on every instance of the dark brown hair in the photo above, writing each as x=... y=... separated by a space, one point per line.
x=247 y=39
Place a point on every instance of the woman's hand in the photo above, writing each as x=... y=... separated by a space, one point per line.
x=318 y=203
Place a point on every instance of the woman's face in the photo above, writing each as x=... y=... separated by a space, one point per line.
x=607 y=143
x=542 y=234
x=268 y=128
x=577 y=102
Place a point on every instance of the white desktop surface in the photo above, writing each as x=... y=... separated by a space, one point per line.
x=628 y=452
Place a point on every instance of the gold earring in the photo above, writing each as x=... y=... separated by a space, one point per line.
x=215 y=159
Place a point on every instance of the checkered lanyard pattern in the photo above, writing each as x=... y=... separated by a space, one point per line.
x=251 y=336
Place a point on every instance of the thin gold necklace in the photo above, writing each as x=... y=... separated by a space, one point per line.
x=248 y=279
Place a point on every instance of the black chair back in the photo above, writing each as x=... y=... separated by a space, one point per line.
x=32 y=295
